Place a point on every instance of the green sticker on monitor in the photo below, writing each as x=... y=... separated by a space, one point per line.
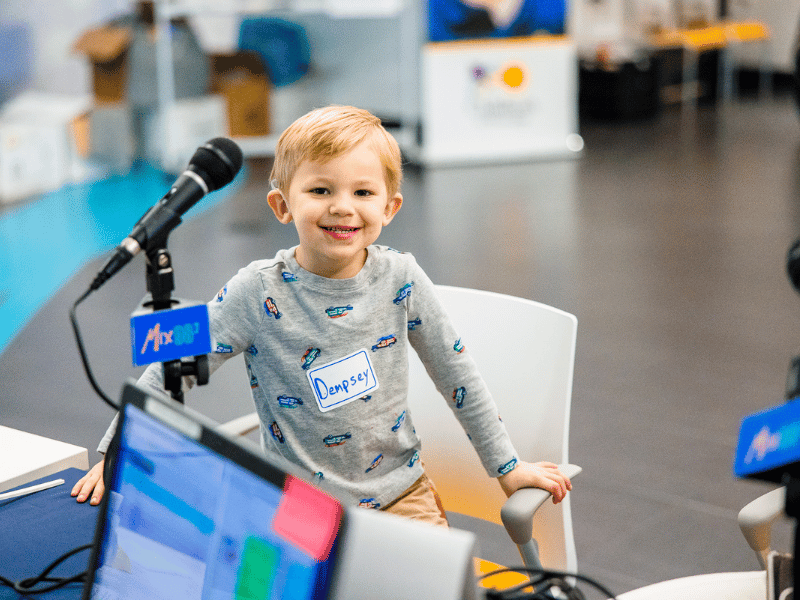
x=257 y=571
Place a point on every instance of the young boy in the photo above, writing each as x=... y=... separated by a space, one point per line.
x=340 y=302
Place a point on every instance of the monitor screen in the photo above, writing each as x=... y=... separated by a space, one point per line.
x=190 y=514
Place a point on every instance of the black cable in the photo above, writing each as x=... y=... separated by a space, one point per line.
x=26 y=587
x=79 y=340
x=543 y=576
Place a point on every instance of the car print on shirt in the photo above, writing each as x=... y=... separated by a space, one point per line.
x=252 y=351
x=289 y=401
x=384 y=342
x=413 y=460
x=366 y=398
x=458 y=346
x=253 y=378
x=412 y=325
x=309 y=357
x=508 y=467
x=337 y=440
x=369 y=503
x=288 y=277
x=403 y=292
x=223 y=348
x=221 y=293
x=378 y=460
x=458 y=396
x=399 y=421
x=271 y=308
x=335 y=312
x=276 y=432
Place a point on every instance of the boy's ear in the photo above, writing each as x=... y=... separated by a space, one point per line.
x=392 y=207
x=279 y=206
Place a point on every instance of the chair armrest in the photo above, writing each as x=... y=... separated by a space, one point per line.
x=241 y=426
x=517 y=513
x=756 y=519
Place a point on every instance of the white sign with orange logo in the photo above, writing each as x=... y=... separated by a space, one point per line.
x=493 y=100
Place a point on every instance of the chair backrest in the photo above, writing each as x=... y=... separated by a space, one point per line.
x=525 y=352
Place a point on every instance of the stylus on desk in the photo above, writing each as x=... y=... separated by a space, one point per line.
x=31 y=490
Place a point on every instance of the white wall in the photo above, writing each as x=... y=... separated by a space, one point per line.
x=782 y=17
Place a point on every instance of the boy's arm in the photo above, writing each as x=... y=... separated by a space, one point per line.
x=453 y=371
x=232 y=321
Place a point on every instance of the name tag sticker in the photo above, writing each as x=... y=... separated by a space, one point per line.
x=343 y=380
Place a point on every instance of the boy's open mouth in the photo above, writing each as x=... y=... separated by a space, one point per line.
x=339 y=232
x=340 y=229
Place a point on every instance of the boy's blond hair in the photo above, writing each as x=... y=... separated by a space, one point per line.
x=325 y=133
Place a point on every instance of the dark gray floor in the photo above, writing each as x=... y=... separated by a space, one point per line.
x=667 y=239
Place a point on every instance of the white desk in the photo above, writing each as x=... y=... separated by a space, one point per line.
x=25 y=457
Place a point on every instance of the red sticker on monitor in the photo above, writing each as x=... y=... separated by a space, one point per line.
x=308 y=518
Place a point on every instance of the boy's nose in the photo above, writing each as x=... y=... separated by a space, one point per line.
x=341 y=204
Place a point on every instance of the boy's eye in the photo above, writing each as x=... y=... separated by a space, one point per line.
x=363 y=193
x=319 y=191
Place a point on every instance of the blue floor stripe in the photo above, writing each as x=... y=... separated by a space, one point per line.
x=43 y=243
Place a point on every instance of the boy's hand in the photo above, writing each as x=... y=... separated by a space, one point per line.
x=543 y=475
x=91 y=484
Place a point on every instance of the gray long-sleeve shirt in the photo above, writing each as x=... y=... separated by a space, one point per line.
x=327 y=361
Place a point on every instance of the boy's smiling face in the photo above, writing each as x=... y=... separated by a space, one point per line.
x=339 y=207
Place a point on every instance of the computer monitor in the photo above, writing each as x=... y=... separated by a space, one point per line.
x=192 y=513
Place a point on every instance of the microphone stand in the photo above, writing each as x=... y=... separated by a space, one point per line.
x=790 y=480
x=160 y=284
x=792 y=509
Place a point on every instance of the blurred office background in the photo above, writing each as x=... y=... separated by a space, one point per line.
x=632 y=162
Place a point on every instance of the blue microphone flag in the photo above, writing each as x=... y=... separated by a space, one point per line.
x=165 y=335
x=769 y=443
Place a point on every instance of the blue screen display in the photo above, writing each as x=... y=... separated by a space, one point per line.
x=184 y=522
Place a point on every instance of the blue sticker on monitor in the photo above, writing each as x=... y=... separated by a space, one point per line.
x=769 y=441
x=167 y=335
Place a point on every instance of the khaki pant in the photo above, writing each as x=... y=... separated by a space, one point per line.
x=420 y=502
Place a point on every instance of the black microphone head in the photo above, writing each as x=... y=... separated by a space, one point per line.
x=217 y=162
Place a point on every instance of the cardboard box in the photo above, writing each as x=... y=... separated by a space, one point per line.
x=107 y=51
x=241 y=80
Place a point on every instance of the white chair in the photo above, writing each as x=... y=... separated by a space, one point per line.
x=756 y=520
x=746 y=585
x=525 y=351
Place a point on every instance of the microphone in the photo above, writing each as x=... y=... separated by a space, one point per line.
x=213 y=166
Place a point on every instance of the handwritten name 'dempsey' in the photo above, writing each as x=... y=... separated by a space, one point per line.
x=342 y=381
x=324 y=389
